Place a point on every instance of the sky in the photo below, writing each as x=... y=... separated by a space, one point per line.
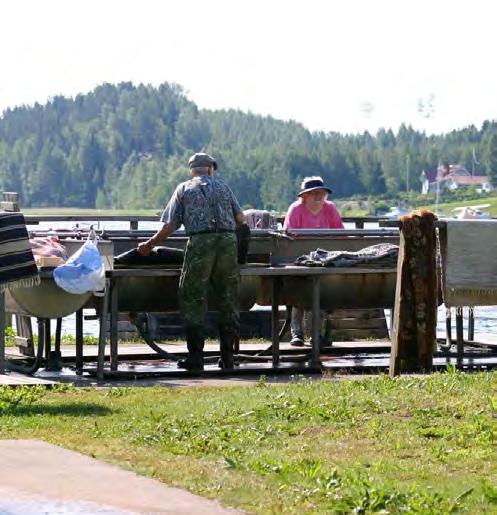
x=333 y=65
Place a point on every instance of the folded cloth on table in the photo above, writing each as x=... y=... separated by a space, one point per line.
x=17 y=264
x=158 y=256
x=383 y=255
x=48 y=251
x=469 y=262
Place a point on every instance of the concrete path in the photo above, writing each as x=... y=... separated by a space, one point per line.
x=15 y=379
x=36 y=477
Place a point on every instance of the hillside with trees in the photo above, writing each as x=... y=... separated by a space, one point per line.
x=126 y=146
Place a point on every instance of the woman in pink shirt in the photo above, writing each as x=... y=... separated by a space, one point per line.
x=311 y=211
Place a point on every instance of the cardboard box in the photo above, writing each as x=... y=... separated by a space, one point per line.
x=48 y=261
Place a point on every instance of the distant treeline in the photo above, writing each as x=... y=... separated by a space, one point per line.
x=126 y=146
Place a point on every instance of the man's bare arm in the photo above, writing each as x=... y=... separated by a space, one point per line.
x=240 y=218
x=163 y=233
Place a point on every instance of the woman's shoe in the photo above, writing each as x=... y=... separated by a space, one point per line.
x=297 y=342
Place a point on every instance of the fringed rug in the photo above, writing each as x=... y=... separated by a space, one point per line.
x=17 y=264
x=469 y=260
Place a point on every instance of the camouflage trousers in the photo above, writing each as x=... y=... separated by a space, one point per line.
x=210 y=265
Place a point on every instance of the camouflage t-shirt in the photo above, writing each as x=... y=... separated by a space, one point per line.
x=202 y=204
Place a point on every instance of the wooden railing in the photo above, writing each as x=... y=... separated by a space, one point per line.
x=134 y=220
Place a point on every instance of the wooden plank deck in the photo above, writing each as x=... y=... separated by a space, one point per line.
x=127 y=349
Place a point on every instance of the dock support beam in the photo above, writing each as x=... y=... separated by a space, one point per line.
x=471 y=323
x=104 y=313
x=2 y=332
x=448 y=328
x=459 y=336
x=113 y=324
x=79 y=342
x=275 y=320
x=316 y=322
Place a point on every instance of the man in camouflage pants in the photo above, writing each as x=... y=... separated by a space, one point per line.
x=209 y=211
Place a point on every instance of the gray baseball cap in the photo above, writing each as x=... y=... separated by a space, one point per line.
x=201 y=159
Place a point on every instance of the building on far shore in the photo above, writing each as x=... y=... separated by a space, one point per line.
x=452 y=177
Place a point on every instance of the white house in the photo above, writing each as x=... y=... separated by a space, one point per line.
x=452 y=177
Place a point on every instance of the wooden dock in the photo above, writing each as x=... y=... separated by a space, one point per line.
x=137 y=356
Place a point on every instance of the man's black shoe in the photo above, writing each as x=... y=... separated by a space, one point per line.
x=226 y=363
x=191 y=366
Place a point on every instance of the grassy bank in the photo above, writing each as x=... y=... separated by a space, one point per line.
x=416 y=445
x=350 y=208
x=448 y=208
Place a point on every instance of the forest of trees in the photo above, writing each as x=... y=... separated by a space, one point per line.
x=126 y=146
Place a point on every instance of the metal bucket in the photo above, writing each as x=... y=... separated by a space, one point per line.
x=160 y=294
x=337 y=291
x=46 y=300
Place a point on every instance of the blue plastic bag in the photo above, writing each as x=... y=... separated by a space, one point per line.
x=83 y=272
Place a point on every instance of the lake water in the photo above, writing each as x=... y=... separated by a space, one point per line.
x=485 y=317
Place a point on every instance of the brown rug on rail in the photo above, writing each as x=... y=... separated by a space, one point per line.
x=416 y=299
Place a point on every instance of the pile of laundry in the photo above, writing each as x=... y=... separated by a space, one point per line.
x=48 y=252
x=383 y=255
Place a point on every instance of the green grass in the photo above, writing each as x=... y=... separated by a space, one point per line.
x=66 y=339
x=413 y=445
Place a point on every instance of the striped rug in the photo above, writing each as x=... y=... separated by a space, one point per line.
x=17 y=264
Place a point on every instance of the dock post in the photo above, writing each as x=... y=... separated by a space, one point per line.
x=103 y=327
x=275 y=320
x=448 y=327
x=471 y=323
x=316 y=322
x=113 y=323
x=416 y=295
x=79 y=342
x=2 y=332
x=395 y=352
x=48 y=340
x=459 y=336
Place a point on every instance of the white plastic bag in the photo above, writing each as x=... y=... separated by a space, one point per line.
x=84 y=271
